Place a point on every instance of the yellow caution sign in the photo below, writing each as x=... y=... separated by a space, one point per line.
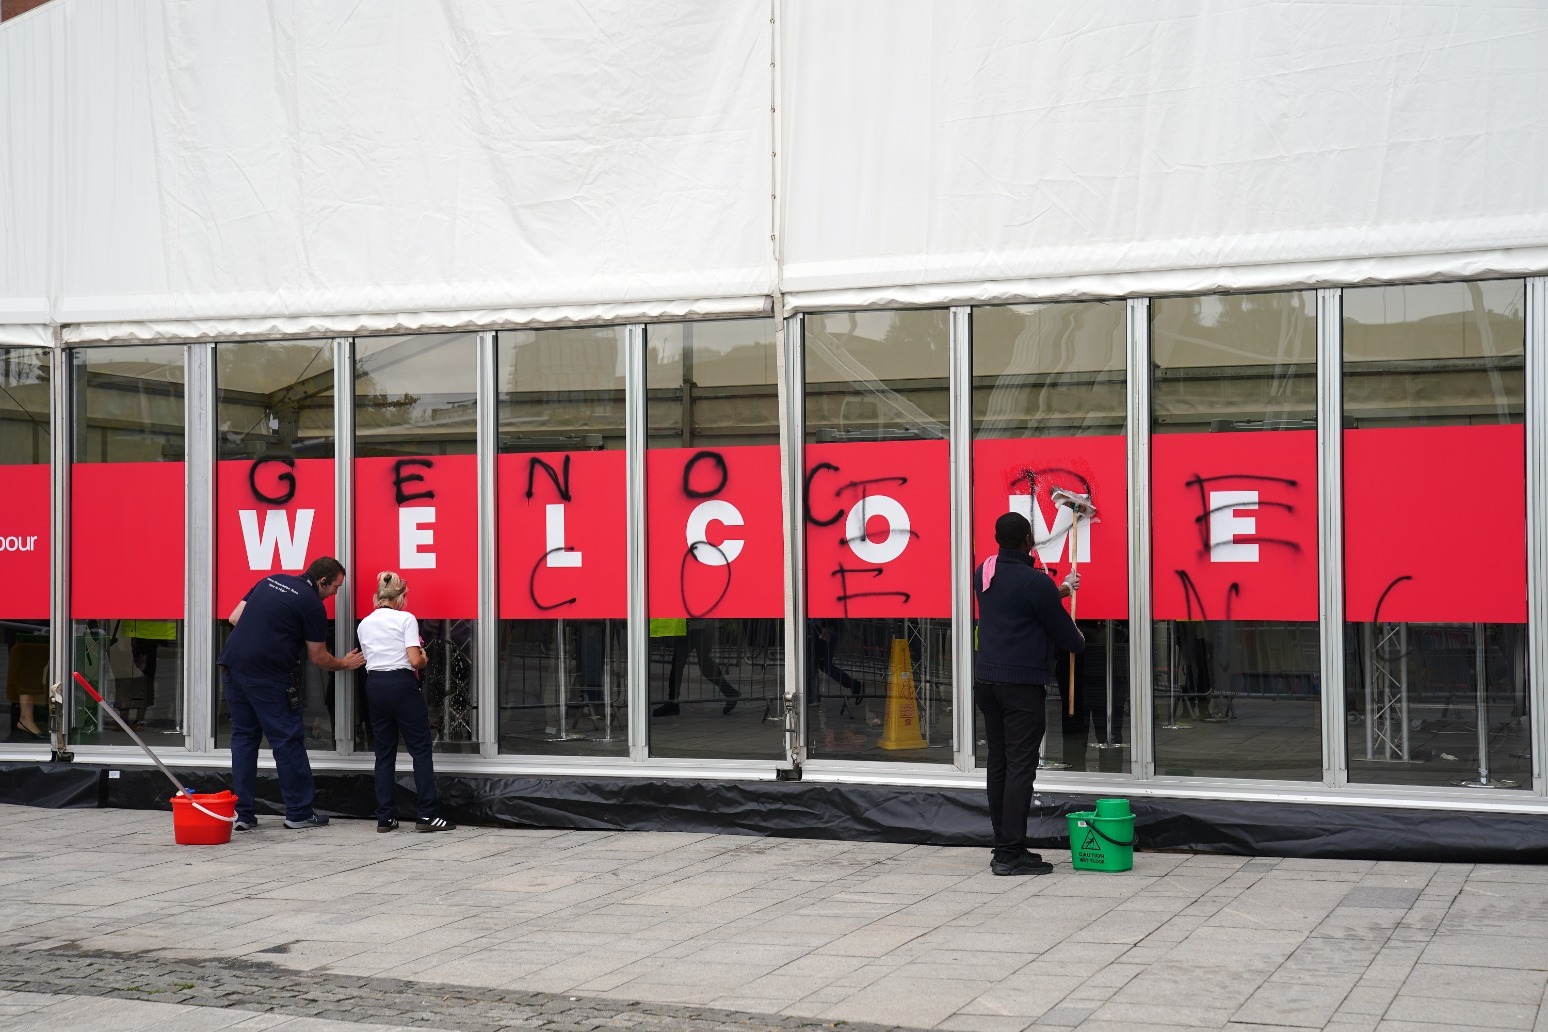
x=902 y=727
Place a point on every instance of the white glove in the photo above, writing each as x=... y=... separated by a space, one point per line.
x=1072 y=581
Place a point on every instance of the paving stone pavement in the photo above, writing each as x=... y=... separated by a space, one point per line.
x=109 y=925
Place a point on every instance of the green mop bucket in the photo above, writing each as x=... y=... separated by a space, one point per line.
x=1102 y=839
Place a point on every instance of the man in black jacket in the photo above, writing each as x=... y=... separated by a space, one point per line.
x=1021 y=622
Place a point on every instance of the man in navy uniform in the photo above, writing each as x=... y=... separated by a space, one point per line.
x=275 y=619
x=1021 y=622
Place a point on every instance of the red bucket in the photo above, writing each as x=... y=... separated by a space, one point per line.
x=190 y=827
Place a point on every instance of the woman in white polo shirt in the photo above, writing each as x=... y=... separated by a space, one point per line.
x=394 y=653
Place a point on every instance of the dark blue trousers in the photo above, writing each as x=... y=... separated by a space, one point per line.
x=398 y=707
x=260 y=708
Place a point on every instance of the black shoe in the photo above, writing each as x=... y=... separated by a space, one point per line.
x=391 y=824
x=1019 y=866
x=666 y=709
x=732 y=697
x=858 y=691
x=433 y=824
x=314 y=821
x=245 y=824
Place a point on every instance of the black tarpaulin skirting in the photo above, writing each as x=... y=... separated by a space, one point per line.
x=876 y=813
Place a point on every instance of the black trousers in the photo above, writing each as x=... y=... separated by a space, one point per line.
x=398 y=706
x=1014 y=722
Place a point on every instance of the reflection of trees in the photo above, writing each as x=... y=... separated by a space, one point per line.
x=24 y=405
x=1050 y=368
x=859 y=386
x=920 y=333
x=562 y=389
x=392 y=418
x=130 y=405
x=1236 y=359
x=275 y=399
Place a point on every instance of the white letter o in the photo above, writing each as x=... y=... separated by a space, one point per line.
x=898 y=529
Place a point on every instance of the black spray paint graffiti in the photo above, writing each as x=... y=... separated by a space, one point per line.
x=716 y=465
x=1202 y=520
x=288 y=478
x=840 y=571
x=400 y=479
x=561 y=482
x=1376 y=617
x=532 y=593
x=1054 y=477
x=1233 y=591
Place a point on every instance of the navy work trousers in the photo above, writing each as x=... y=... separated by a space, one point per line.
x=398 y=707
x=1014 y=722
x=260 y=708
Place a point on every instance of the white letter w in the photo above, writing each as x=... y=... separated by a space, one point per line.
x=276 y=535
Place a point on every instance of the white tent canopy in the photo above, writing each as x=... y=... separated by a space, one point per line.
x=299 y=165
x=206 y=169
x=1116 y=148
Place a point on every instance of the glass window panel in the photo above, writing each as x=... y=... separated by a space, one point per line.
x=877 y=536
x=1234 y=536
x=127 y=541
x=1437 y=689
x=1050 y=403
x=716 y=541
x=25 y=541
x=416 y=508
x=274 y=462
x=564 y=670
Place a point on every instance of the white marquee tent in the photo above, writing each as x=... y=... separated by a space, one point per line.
x=200 y=169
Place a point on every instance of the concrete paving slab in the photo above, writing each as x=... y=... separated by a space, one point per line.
x=792 y=930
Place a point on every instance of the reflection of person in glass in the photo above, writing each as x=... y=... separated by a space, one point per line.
x=824 y=639
x=277 y=617
x=691 y=636
x=1089 y=721
x=146 y=637
x=26 y=684
x=1021 y=622
x=394 y=652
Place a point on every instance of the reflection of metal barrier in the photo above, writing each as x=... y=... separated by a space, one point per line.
x=1172 y=688
x=1449 y=696
x=448 y=683
x=748 y=653
x=91 y=657
x=867 y=656
x=554 y=667
x=1386 y=691
x=1480 y=675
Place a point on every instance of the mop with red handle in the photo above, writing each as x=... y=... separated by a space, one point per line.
x=182 y=790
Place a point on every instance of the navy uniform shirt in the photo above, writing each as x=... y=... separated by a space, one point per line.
x=283 y=613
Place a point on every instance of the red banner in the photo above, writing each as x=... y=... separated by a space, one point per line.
x=419 y=516
x=126 y=540
x=24 y=542
x=272 y=515
x=1020 y=475
x=715 y=531
x=1435 y=524
x=1234 y=525
x=878 y=530
x=564 y=534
